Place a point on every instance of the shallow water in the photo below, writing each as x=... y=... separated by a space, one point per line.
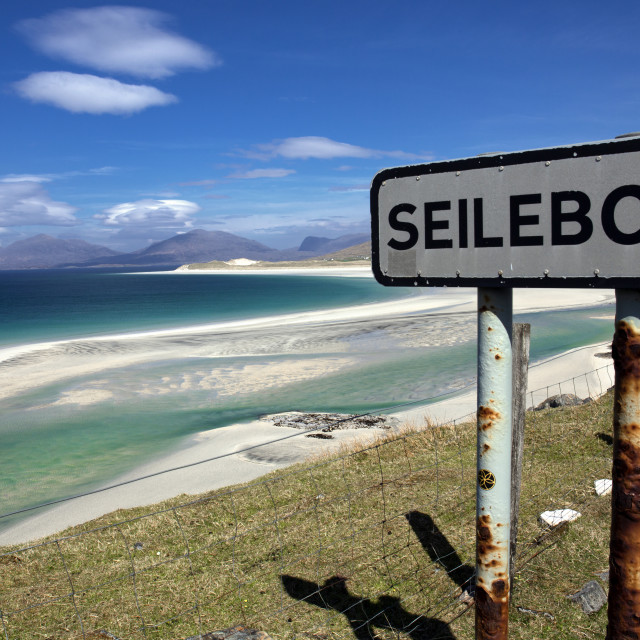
x=57 y=304
x=67 y=437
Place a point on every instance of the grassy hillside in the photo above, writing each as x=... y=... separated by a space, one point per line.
x=287 y=264
x=357 y=252
x=357 y=255
x=378 y=542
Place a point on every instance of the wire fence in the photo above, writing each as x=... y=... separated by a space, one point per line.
x=373 y=542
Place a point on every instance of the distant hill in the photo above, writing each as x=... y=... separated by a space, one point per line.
x=312 y=243
x=357 y=252
x=319 y=246
x=197 y=246
x=358 y=255
x=43 y=251
x=200 y=244
x=194 y=246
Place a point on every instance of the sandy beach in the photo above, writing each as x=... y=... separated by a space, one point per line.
x=332 y=269
x=22 y=367
x=242 y=452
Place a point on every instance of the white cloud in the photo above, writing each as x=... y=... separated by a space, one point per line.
x=117 y=39
x=294 y=219
x=309 y=147
x=25 y=177
x=306 y=147
x=28 y=203
x=263 y=173
x=198 y=183
x=317 y=147
x=163 y=194
x=151 y=213
x=349 y=188
x=99 y=171
x=48 y=177
x=84 y=93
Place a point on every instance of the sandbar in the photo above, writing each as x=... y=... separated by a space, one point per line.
x=243 y=452
x=26 y=367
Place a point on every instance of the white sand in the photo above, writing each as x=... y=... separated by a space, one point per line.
x=579 y=372
x=28 y=373
x=345 y=271
x=30 y=364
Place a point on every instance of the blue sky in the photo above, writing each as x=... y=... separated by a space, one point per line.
x=126 y=124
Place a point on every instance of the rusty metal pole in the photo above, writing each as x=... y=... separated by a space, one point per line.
x=493 y=493
x=624 y=555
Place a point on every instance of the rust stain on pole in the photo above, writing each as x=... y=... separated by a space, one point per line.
x=487 y=417
x=624 y=558
x=492 y=600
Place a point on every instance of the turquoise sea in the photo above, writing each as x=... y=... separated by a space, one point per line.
x=115 y=394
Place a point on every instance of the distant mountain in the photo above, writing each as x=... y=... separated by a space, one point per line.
x=43 y=251
x=319 y=246
x=194 y=246
x=204 y=246
x=358 y=251
x=199 y=244
x=313 y=243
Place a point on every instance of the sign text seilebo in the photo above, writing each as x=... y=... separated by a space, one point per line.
x=566 y=216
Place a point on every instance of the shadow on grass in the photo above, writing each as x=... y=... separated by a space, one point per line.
x=435 y=543
x=387 y=612
x=605 y=437
x=362 y=613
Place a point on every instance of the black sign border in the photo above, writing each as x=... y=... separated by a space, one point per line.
x=584 y=150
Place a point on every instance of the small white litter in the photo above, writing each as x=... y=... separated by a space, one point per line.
x=603 y=487
x=560 y=516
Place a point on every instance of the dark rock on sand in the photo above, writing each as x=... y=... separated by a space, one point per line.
x=560 y=400
x=327 y=422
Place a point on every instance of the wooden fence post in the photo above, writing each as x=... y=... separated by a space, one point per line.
x=521 y=341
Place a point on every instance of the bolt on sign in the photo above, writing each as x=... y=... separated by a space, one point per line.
x=559 y=217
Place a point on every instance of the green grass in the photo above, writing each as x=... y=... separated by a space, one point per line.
x=258 y=554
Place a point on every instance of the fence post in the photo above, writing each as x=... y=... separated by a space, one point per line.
x=624 y=554
x=521 y=341
x=493 y=492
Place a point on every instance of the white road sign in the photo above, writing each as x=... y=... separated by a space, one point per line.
x=565 y=216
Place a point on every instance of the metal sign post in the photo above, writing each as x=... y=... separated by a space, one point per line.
x=493 y=494
x=624 y=557
x=560 y=217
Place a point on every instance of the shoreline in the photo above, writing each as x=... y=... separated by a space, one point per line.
x=28 y=359
x=156 y=344
x=462 y=299
x=338 y=269
x=244 y=452
x=241 y=466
